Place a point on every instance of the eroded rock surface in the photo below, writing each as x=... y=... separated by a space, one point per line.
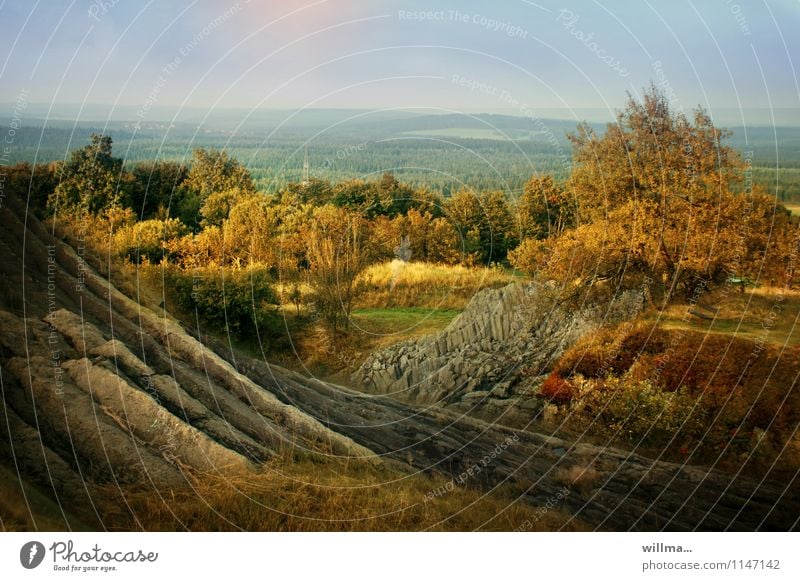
x=481 y=358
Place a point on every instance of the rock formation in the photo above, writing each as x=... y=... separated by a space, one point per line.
x=481 y=360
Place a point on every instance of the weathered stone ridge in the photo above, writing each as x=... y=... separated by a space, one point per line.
x=483 y=352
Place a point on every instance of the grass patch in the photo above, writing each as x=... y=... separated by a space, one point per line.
x=793 y=208
x=719 y=391
x=402 y=323
x=370 y=330
x=766 y=315
x=421 y=284
x=309 y=496
x=404 y=300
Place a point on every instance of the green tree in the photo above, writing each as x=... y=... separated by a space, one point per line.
x=217 y=206
x=395 y=198
x=359 y=196
x=32 y=183
x=240 y=302
x=92 y=179
x=215 y=171
x=425 y=201
x=497 y=228
x=145 y=240
x=337 y=249
x=315 y=191
x=544 y=209
x=464 y=211
x=485 y=225
x=157 y=186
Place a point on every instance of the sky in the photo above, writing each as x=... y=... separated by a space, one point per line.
x=503 y=56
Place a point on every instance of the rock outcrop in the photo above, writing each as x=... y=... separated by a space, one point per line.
x=98 y=389
x=503 y=336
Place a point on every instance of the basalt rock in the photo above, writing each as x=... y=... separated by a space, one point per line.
x=482 y=357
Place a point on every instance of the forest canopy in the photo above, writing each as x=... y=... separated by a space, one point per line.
x=658 y=200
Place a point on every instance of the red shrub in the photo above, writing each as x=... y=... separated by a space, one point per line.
x=557 y=390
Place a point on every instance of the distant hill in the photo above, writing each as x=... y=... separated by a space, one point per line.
x=442 y=152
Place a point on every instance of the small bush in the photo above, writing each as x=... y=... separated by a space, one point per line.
x=145 y=240
x=240 y=302
x=529 y=256
x=603 y=352
x=711 y=391
x=557 y=390
x=643 y=413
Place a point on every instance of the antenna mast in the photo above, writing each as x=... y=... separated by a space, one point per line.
x=305 y=168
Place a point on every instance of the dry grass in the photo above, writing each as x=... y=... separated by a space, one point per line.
x=420 y=284
x=30 y=510
x=308 y=496
x=583 y=478
x=370 y=330
x=399 y=284
x=404 y=300
x=793 y=208
x=765 y=314
x=716 y=389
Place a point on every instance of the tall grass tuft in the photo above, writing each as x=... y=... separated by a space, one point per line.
x=423 y=284
x=307 y=495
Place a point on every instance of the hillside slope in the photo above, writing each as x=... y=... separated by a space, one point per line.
x=97 y=389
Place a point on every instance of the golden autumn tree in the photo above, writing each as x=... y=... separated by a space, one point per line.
x=215 y=183
x=337 y=251
x=651 y=153
x=656 y=205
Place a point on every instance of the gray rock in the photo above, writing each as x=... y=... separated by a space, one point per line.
x=501 y=332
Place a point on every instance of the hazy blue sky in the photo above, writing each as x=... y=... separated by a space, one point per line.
x=466 y=55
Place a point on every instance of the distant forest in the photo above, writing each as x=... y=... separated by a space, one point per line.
x=443 y=153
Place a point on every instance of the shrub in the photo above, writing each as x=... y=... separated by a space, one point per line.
x=529 y=256
x=556 y=390
x=598 y=354
x=712 y=391
x=239 y=302
x=643 y=413
x=145 y=240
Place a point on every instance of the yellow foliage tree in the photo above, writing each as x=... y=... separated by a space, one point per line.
x=656 y=206
x=337 y=251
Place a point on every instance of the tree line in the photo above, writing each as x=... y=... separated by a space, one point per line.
x=658 y=201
